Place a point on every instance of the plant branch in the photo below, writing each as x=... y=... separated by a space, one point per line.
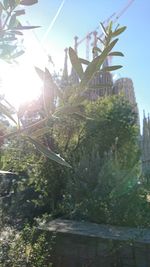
x=7 y=18
x=20 y=131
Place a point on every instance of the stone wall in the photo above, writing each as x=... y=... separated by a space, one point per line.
x=81 y=244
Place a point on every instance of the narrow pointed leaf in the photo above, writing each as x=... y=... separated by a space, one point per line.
x=116 y=54
x=82 y=117
x=20 y=27
x=102 y=41
x=109 y=27
x=75 y=61
x=95 y=65
x=12 y=22
x=15 y=32
x=117 y=26
x=40 y=132
x=103 y=29
x=48 y=153
x=19 y=12
x=111 y=68
x=118 y=31
x=28 y=2
x=84 y=61
x=18 y=54
x=50 y=91
x=96 y=49
x=5 y=111
x=40 y=73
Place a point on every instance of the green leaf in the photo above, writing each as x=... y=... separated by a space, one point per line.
x=118 y=31
x=28 y=2
x=18 y=54
x=103 y=29
x=19 y=12
x=48 y=153
x=109 y=28
x=40 y=73
x=5 y=111
x=84 y=61
x=20 y=27
x=116 y=54
x=6 y=3
x=96 y=49
x=111 y=68
x=15 y=32
x=12 y=22
x=95 y=65
x=48 y=92
x=102 y=41
x=80 y=116
x=40 y=132
x=75 y=61
x=1 y=8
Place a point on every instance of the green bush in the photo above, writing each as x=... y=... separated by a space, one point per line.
x=27 y=248
x=105 y=184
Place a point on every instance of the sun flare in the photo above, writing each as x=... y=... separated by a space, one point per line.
x=19 y=84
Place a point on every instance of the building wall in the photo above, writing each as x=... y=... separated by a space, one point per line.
x=100 y=86
x=146 y=146
x=125 y=86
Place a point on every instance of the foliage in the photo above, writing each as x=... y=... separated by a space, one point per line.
x=98 y=61
x=47 y=112
x=39 y=187
x=25 y=248
x=114 y=129
x=11 y=28
x=100 y=191
x=105 y=185
x=98 y=139
x=21 y=159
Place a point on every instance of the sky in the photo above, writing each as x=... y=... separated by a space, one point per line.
x=61 y=20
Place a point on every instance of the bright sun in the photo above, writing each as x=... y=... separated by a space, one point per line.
x=19 y=84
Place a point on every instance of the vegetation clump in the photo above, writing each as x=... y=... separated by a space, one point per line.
x=99 y=141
